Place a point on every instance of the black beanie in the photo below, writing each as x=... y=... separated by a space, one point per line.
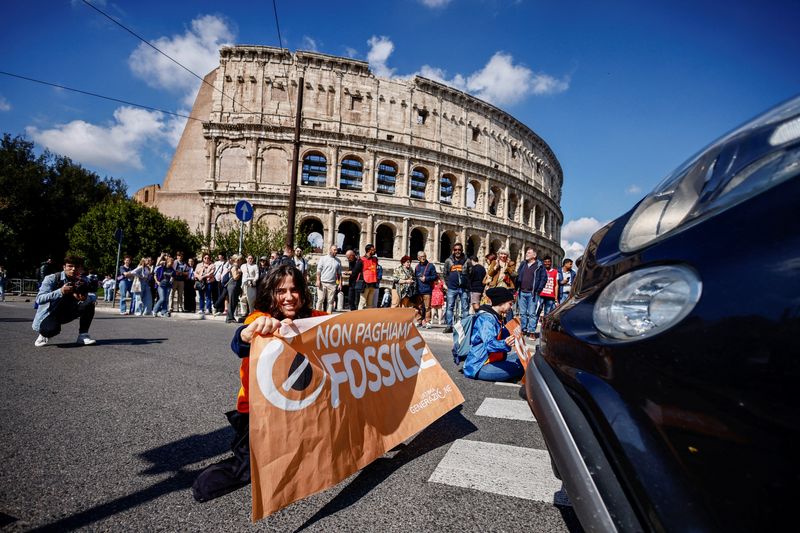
x=500 y=295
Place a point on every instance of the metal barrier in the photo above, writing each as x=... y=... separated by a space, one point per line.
x=22 y=286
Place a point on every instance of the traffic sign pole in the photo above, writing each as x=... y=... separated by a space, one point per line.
x=244 y=212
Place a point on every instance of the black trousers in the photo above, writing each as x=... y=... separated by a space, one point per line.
x=232 y=473
x=189 y=300
x=352 y=297
x=66 y=310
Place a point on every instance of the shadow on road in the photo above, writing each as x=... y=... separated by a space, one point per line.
x=172 y=457
x=113 y=342
x=447 y=429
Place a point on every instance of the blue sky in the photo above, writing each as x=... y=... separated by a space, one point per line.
x=622 y=91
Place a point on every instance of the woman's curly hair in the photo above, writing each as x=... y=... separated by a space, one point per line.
x=266 y=298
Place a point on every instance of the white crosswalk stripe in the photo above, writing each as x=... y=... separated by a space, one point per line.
x=508 y=409
x=507 y=384
x=500 y=469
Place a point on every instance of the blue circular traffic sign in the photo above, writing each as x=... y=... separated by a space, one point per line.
x=244 y=211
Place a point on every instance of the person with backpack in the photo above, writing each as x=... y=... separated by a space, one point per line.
x=490 y=356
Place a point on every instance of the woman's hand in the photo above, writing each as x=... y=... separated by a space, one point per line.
x=510 y=340
x=262 y=326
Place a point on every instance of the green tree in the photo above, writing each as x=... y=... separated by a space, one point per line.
x=258 y=239
x=146 y=232
x=40 y=197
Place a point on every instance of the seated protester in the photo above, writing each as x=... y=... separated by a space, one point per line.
x=63 y=297
x=488 y=357
x=282 y=297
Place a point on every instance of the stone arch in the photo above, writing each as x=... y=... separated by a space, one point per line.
x=473 y=245
x=526 y=212
x=417 y=241
x=233 y=163
x=387 y=177
x=314 y=232
x=473 y=197
x=273 y=221
x=348 y=236
x=495 y=199
x=447 y=189
x=513 y=203
x=446 y=241
x=419 y=183
x=351 y=173
x=513 y=252
x=538 y=218
x=315 y=169
x=495 y=245
x=273 y=166
x=384 y=240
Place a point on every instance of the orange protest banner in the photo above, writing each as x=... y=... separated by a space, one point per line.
x=332 y=395
x=520 y=347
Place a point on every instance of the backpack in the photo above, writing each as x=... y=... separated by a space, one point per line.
x=462 y=335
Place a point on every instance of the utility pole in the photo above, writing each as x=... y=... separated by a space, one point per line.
x=296 y=154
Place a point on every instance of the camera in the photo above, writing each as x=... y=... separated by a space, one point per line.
x=78 y=287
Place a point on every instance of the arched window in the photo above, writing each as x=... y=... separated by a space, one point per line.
x=352 y=174
x=315 y=169
x=493 y=200
x=473 y=190
x=473 y=245
x=512 y=206
x=387 y=177
x=445 y=245
x=314 y=233
x=418 y=239
x=446 y=189
x=419 y=180
x=348 y=237
x=384 y=241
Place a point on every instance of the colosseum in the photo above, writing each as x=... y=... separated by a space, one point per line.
x=407 y=164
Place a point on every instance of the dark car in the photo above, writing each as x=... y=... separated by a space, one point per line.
x=668 y=386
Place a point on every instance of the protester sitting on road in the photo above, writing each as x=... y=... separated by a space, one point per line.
x=282 y=297
x=63 y=297
x=489 y=358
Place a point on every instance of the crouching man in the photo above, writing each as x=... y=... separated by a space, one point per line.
x=63 y=297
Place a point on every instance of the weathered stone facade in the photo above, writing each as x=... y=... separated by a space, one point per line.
x=406 y=164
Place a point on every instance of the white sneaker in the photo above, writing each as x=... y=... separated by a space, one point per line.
x=41 y=340
x=85 y=339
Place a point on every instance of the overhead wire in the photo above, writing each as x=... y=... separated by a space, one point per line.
x=96 y=95
x=154 y=47
x=280 y=44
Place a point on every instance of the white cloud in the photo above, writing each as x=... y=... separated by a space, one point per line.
x=580 y=229
x=500 y=81
x=351 y=52
x=575 y=234
x=197 y=49
x=4 y=104
x=434 y=3
x=309 y=44
x=114 y=146
x=380 y=48
x=633 y=189
x=572 y=250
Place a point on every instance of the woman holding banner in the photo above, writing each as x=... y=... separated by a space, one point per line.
x=282 y=297
x=491 y=343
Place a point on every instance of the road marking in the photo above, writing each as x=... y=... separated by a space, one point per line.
x=500 y=469
x=508 y=409
x=506 y=384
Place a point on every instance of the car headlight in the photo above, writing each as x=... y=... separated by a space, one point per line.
x=759 y=155
x=646 y=302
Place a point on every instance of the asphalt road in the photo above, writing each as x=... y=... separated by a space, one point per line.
x=111 y=437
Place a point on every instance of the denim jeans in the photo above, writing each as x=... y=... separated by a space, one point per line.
x=145 y=303
x=205 y=299
x=543 y=306
x=508 y=370
x=527 y=311
x=162 y=305
x=453 y=294
x=124 y=294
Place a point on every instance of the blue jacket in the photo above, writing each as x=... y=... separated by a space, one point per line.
x=485 y=332
x=429 y=271
x=539 y=276
x=49 y=292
